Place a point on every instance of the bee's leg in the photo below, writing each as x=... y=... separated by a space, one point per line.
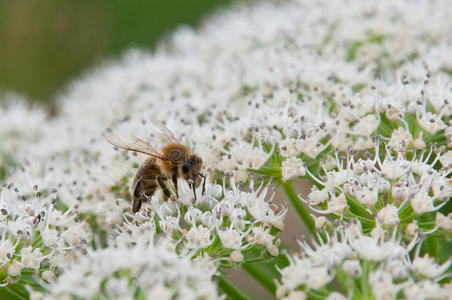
x=203 y=183
x=136 y=206
x=164 y=188
x=174 y=178
x=193 y=185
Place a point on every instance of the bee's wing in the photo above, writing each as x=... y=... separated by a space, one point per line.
x=166 y=132
x=132 y=143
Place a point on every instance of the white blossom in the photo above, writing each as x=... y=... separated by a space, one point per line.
x=354 y=94
x=351 y=250
x=388 y=215
x=154 y=269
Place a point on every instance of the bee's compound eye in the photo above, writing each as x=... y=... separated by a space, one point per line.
x=186 y=166
x=194 y=160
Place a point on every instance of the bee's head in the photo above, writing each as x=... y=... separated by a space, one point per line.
x=191 y=166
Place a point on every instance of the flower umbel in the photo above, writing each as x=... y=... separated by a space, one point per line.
x=354 y=97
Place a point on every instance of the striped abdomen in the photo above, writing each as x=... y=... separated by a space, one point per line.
x=145 y=182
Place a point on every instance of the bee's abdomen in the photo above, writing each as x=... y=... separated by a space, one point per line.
x=146 y=186
x=145 y=181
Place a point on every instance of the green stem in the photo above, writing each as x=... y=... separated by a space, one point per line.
x=260 y=276
x=300 y=208
x=342 y=279
x=366 y=289
x=315 y=296
x=230 y=289
x=431 y=244
x=265 y=271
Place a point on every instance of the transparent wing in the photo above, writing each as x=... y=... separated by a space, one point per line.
x=132 y=143
x=166 y=132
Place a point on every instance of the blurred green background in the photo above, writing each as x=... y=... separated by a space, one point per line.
x=46 y=43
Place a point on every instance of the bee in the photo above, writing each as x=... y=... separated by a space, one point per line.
x=172 y=162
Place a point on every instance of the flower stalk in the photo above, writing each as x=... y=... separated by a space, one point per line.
x=230 y=290
x=300 y=208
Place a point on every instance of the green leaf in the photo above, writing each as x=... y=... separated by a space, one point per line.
x=202 y=118
x=13 y=292
x=272 y=167
x=140 y=295
x=357 y=87
x=313 y=294
x=353 y=50
x=447 y=71
x=376 y=39
x=386 y=126
x=413 y=125
x=7 y=165
x=356 y=207
x=438 y=138
x=405 y=212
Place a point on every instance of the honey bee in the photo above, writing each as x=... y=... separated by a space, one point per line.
x=170 y=163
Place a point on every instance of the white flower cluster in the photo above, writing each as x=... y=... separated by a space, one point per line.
x=271 y=88
x=380 y=261
x=152 y=272
x=35 y=234
x=301 y=82
x=393 y=191
x=223 y=223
